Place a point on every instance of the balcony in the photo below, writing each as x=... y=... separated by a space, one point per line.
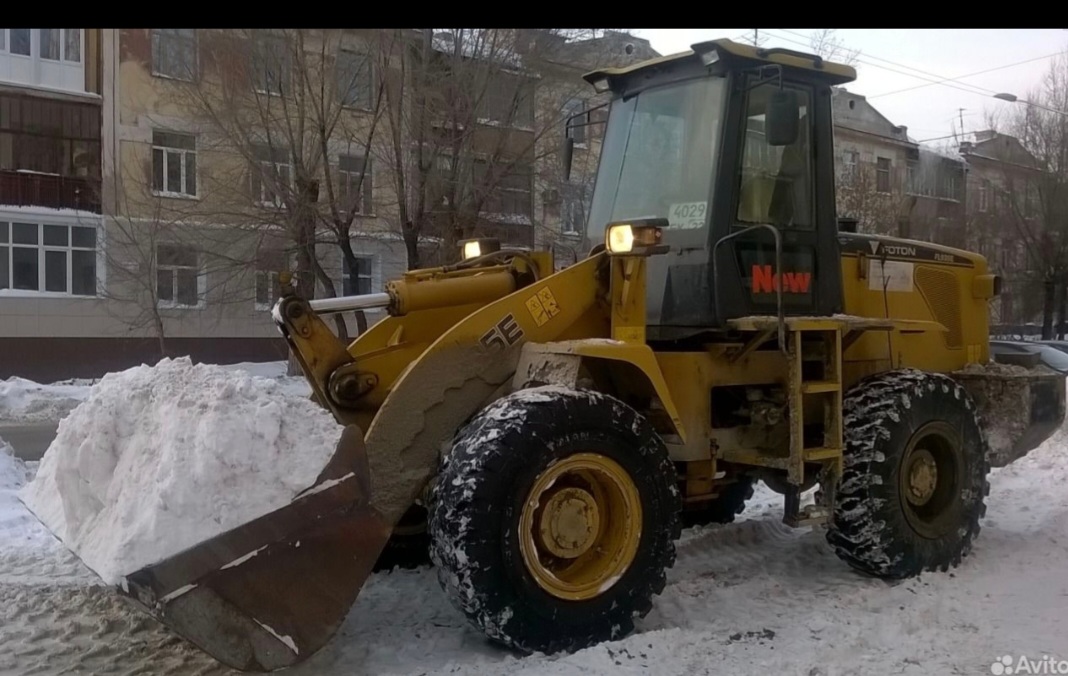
x=29 y=189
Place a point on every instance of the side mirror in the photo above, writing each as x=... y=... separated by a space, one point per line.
x=781 y=118
x=566 y=153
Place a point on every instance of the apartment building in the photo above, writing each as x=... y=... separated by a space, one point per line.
x=889 y=182
x=1005 y=218
x=154 y=181
x=50 y=217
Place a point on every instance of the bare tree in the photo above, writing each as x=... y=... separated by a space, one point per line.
x=296 y=124
x=859 y=196
x=826 y=43
x=471 y=116
x=1034 y=187
x=162 y=259
x=289 y=116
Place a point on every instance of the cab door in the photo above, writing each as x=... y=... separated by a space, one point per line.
x=787 y=187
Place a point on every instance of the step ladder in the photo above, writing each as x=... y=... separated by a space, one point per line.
x=813 y=387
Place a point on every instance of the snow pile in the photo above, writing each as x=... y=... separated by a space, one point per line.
x=24 y=401
x=13 y=472
x=17 y=527
x=160 y=458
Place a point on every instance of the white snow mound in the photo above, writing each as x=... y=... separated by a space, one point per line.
x=160 y=458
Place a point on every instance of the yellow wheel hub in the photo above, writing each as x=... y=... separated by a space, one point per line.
x=580 y=526
x=923 y=477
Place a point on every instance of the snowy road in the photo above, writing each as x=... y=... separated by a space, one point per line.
x=31 y=440
x=753 y=597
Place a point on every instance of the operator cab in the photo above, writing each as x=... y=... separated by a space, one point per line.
x=713 y=141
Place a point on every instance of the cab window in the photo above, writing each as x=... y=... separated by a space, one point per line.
x=776 y=181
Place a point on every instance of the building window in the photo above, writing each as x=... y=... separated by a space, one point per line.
x=355 y=81
x=272 y=65
x=268 y=289
x=507 y=189
x=574 y=204
x=882 y=174
x=362 y=281
x=53 y=44
x=949 y=186
x=178 y=276
x=174 y=164
x=576 y=126
x=272 y=175
x=48 y=257
x=72 y=41
x=850 y=158
x=509 y=100
x=69 y=147
x=20 y=41
x=174 y=53
x=355 y=180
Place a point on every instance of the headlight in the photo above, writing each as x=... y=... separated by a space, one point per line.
x=641 y=237
x=620 y=239
x=473 y=248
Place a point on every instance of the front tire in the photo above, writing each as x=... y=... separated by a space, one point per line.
x=914 y=482
x=554 y=519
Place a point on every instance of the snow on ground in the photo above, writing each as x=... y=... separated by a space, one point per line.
x=24 y=401
x=753 y=597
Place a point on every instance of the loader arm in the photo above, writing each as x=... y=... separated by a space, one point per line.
x=453 y=377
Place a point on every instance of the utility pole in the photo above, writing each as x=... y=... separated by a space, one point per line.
x=960 y=111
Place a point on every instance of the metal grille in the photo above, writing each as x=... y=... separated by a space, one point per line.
x=942 y=293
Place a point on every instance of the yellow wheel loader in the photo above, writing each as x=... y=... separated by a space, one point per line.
x=558 y=428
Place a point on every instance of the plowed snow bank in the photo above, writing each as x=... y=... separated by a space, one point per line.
x=160 y=458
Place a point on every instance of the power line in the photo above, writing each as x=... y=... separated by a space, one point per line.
x=939 y=138
x=979 y=91
x=896 y=63
x=961 y=77
x=941 y=79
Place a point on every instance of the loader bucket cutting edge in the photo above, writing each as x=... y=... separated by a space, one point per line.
x=270 y=593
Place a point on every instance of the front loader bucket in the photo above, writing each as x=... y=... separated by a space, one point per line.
x=270 y=593
x=1019 y=408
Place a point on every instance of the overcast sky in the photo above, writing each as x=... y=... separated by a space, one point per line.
x=896 y=59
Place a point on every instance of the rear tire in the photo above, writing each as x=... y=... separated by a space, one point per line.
x=409 y=545
x=722 y=509
x=913 y=487
x=554 y=519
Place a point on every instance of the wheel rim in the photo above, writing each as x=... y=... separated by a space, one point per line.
x=580 y=526
x=929 y=479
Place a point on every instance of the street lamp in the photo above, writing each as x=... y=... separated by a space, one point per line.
x=1012 y=98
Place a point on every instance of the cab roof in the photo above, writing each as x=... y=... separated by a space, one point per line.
x=738 y=54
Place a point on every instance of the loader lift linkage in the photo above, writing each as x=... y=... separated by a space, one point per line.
x=559 y=427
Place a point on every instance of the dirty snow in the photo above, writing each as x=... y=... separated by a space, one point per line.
x=24 y=401
x=752 y=597
x=159 y=458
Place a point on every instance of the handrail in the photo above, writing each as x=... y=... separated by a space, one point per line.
x=778 y=271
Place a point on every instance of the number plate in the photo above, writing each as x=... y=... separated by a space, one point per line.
x=687 y=215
